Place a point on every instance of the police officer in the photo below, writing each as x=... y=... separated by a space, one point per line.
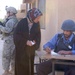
x=64 y=44
x=8 y=46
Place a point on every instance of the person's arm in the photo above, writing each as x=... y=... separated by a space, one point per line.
x=73 y=52
x=63 y=52
x=38 y=37
x=51 y=44
x=8 y=27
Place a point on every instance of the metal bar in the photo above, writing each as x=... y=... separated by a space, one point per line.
x=40 y=60
x=54 y=61
x=53 y=67
x=65 y=63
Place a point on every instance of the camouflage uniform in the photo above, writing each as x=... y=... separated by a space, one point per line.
x=8 y=47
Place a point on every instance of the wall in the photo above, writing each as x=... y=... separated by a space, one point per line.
x=66 y=10
x=51 y=21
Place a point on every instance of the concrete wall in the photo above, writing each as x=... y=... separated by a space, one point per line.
x=51 y=21
x=56 y=12
x=66 y=10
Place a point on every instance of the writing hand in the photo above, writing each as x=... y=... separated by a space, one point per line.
x=48 y=50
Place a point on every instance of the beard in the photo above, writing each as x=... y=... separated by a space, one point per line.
x=67 y=36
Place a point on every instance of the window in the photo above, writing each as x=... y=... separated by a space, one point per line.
x=41 y=4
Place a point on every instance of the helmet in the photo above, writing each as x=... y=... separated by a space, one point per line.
x=68 y=25
x=11 y=9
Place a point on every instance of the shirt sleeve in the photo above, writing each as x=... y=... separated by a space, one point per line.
x=8 y=27
x=51 y=43
x=73 y=52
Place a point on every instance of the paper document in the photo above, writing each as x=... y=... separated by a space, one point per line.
x=54 y=53
x=32 y=43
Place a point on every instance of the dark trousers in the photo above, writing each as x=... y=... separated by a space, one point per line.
x=24 y=61
x=46 y=67
x=70 y=70
x=23 y=67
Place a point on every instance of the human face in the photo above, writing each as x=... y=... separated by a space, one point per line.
x=37 y=19
x=9 y=14
x=67 y=33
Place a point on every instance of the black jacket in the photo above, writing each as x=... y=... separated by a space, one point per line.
x=21 y=35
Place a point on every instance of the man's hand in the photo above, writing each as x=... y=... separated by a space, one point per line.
x=63 y=52
x=48 y=50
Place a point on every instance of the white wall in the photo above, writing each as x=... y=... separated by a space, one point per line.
x=66 y=10
x=51 y=21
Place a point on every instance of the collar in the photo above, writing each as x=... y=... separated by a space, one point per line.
x=29 y=23
x=70 y=38
x=11 y=17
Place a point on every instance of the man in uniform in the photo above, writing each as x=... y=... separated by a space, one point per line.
x=62 y=43
x=7 y=30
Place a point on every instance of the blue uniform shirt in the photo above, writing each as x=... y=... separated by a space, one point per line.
x=53 y=42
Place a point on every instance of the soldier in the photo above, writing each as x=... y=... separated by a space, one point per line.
x=8 y=46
